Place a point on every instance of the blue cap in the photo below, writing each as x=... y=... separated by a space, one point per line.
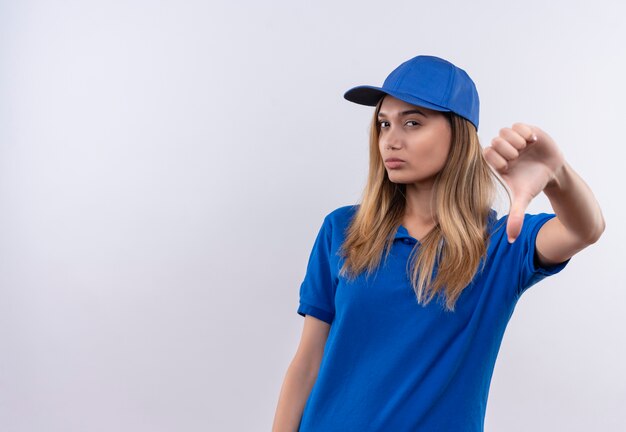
x=426 y=81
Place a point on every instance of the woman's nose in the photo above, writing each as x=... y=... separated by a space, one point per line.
x=391 y=138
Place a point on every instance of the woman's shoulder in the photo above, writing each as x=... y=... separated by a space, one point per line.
x=338 y=219
x=532 y=222
x=343 y=212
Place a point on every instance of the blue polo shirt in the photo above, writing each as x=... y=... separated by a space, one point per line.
x=390 y=364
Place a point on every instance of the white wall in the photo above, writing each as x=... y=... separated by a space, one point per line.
x=165 y=167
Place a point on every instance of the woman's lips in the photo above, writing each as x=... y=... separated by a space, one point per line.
x=394 y=163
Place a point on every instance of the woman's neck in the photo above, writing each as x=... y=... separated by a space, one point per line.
x=419 y=209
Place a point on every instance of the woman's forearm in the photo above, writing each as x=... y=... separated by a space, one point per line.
x=294 y=393
x=575 y=205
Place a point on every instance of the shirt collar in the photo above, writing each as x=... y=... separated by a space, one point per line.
x=402 y=233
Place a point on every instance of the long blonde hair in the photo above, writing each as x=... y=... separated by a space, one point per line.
x=464 y=192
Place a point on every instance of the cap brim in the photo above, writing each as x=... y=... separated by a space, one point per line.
x=370 y=95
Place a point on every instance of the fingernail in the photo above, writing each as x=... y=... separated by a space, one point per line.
x=511 y=239
x=534 y=137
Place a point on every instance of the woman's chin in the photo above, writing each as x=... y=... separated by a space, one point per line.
x=407 y=178
x=395 y=176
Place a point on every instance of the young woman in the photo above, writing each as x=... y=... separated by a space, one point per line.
x=407 y=294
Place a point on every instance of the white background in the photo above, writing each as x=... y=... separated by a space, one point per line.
x=166 y=165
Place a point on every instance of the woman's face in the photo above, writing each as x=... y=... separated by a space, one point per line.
x=420 y=137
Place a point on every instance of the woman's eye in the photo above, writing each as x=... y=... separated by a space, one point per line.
x=382 y=123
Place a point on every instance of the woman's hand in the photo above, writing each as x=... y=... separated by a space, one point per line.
x=528 y=160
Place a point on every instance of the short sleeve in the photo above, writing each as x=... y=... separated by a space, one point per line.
x=317 y=291
x=531 y=271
